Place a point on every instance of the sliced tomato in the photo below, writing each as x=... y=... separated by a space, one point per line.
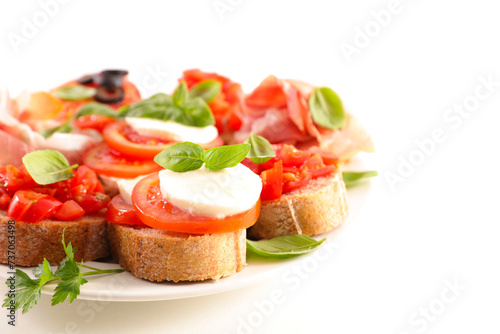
x=32 y=207
x=122 y=138
x=69 y=210
x=120 y=212
x=92 y=202
x=157 y=213
x=272 y=182
x=107 y=162
x=96 y=122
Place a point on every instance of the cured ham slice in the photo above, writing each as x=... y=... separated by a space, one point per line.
x=20 y=138
x=278 y=110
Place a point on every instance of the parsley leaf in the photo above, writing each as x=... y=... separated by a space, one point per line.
x=27 y=291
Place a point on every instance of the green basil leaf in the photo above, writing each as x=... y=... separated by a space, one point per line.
x=225 y=156
x=181 y=157
x=261 y=150
x=95 y=108
x=284 y=246
x=48 y=166
x=181 y=94
x=327 y=109
x=65 y=128
x=196 y=113
x=353 y=178
x=207 y=90
x=75 y=93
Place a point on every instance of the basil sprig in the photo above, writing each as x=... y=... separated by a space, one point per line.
x=181 y=107
x=207 y=90
x=353 y=178
x=261 y=150
x=327 y=109
x=96 y=108
x=75 y=93
x=187 y=156
x=65 y=128
x=48 y=166
x=284 y=246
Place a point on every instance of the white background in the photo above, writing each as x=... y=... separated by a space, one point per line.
x=439 y=223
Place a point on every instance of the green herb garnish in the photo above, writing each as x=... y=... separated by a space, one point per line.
x=327 y=109
x=75 y=93
x=96 y=108
x=207 y=90
x=261 y=150
x=65 y=128
x=48 y=166
x=353 y=178
x=284 y=246
x=187 y=156
x=68 y=276
x=180 y=108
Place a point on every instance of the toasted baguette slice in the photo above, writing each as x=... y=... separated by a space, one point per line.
x=315 y=208
x=158 y=255
x=35 y=241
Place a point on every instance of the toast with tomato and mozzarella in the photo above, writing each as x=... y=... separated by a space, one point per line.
x=302 y=193
x=33 y=216
x=185 y=224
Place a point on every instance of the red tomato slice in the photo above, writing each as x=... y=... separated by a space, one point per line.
x=120 y=212
x=272 y=182
x=86 y=177
x=120 y=137
x=96 y=122
x=156 y=213
x=107 y=162
x=32 y=207
x=69 y=210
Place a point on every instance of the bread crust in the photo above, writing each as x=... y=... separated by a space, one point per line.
x=36 y=241
x=159 y=255
x=316 y=208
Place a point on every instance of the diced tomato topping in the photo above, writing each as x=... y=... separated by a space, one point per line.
x=32 y=207
x=28 y=201
x=272 y=182
x=252 y=165
x=298 y=168
x=70 y=210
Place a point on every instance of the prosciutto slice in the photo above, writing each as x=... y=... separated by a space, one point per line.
x=18 y=138
x=278 y=110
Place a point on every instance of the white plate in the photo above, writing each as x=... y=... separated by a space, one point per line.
x=126 y=287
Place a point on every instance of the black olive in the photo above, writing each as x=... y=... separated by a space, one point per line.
x=109 y=94
x=112 y=77
x=86 y=79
